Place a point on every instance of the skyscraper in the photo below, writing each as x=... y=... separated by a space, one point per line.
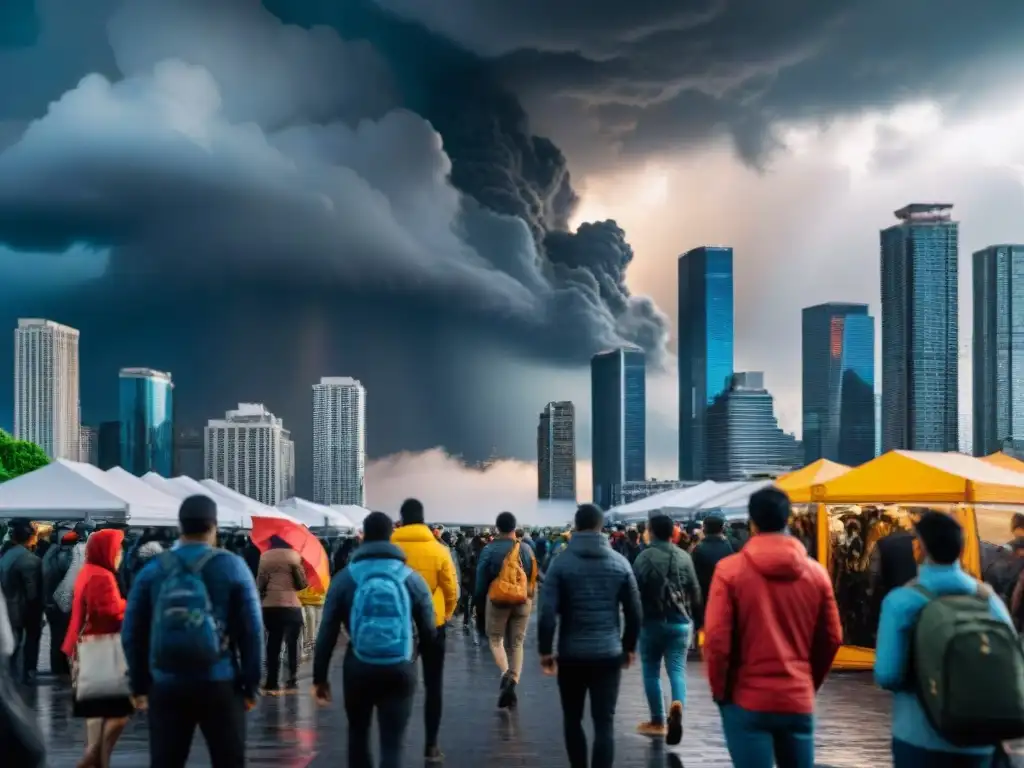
x=88 y=445
x=618 y=383
x=998 y=353
x=188 y=453
x=339 y=441
x=744 y=438
x=46 y=406
x=248 y=450
x=919 y=330
x=147 y=421
x=109 y=445
x=556 y=452
x=838 y=383
x=705 y=335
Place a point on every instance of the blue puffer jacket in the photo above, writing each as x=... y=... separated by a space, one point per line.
x=586 y=590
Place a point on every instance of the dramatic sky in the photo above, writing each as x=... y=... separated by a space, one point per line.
x=253 y=195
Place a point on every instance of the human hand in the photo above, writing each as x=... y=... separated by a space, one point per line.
x=250 y=703
x=548 y=665
x=322 y=694
x=141 y=703
x=628 y=659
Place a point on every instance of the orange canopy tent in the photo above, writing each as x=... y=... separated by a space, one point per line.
x=798 y=484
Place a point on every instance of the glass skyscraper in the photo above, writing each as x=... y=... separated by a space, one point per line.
x=147 y=421
x=618 y=394
x=705 y=333
x=838 y=383
x=920 y=330
x=998 y=349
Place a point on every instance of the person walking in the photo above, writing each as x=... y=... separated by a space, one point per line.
x=383 y=605
x=670 y=598
x=714 y=547
x=948 y=605
x=506 y=577
x=55 y=567
x=771 y=632
x=433 y=561
x=98 y=610
x=590 y=596
x=22 y=739
x=21 y=580
x=280 y=578
x=193 y=640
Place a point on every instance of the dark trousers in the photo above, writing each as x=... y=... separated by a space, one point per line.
x=908 y=756
x=283 y=627
x=25 y=660
x=217 y=709
x=58 y=622
x=467 y=604
x=388 y=690
x=433 y=685
x=600 y=679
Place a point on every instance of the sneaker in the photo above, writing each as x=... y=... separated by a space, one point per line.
x=433 y=755
x=675 y=724
x=651 y=728
x=503 y=688
x=513 y=699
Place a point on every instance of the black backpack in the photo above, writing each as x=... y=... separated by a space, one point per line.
x=664 y=597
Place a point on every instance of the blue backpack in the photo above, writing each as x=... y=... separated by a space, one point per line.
x=184 y=635
x=380 y=623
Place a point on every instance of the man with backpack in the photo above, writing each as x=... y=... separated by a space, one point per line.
x=506 y=578
x=193 y=640
x=962 y=695
x=56 y=565
x=387 y=610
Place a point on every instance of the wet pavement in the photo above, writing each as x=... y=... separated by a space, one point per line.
x=292 y=732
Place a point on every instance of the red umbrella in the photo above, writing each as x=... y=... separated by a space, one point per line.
x=299 y=538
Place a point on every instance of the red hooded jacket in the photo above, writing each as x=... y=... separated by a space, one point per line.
x=97 y=607
x=771 y=627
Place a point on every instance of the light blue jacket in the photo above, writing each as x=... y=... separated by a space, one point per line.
x=900 y=610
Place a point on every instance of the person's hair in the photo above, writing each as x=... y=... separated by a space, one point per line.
x=276 y=542
x=506 y=522
x=589 y=517
x=411 y=512
x=1017 y=521
x=641 y=527
x=769 y=509
x=714 y=525
x=662 y=527
x=520 y=533
x=941 y=536
x=632 y=535
x=21 y=531
x=378 y=527
x=196 y=527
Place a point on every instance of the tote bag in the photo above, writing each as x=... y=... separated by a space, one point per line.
x=102 y=668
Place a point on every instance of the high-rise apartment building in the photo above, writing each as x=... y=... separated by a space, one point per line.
x=744 y=438
x=556 y=452
x=339 y=441
x=250 y=451
x=920 y=364
x=618 y=389
x=998 y=414
x=147 y=421
x=705 y=333
x=838 y=383
x=46 y=405
x=88 y=445
x=188 y=453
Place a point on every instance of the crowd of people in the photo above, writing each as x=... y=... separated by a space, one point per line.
x=200 y=623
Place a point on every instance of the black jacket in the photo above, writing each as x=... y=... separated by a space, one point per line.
x=56 y=563
x=21 y=579
x=705 y=558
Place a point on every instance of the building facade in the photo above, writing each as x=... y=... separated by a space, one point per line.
x=705 y=333
x=556 y=452
x=635 y=490
x=188 y=453
x=89 y=445
x=998 y=351
x=744 y=438
x=109 y=445
x=838 y=383
x=147 y=421
x=248 y=450
x=46 y=390
x=920 y=391
x=618 y=389
x=339 y=441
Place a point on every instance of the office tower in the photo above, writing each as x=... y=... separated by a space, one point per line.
x=88 y=445
x=705 y=333
x=147 y=421
x=556 y=452
x=618 y=381
x=188 y=453
x=248 y=450
x=109 y=445
x=878 y=424
x=998 y=413
x=919 y=330
x=838 y=383
x=744 y=438
x=339 y=441
x=46 y=408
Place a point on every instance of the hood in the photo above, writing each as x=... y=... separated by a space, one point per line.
x=777 y=556
x=589 y=544
x=378 y=550
x=149 y=549
x=69 y=538
x=103 y=547
x=417 y=532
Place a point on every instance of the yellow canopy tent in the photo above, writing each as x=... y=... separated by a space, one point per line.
x=921 y=478
x=798 y=484
x=1004 y=460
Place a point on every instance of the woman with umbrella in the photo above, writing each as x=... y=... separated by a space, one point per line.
x=280 y=578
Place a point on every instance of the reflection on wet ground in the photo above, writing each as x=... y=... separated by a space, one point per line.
x=292 y=732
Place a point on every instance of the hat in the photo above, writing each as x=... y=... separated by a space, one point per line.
x=198 y=509
x=941 y=535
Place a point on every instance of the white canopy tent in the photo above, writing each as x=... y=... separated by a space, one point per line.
x=735 y=498
x=65 y=490
x=353 y=512
x=162 y=509
x=230 y=514
x=674 y=502
x=252 y=507
x=315 y=515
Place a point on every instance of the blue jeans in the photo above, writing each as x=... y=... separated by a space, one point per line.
x=669 y=641
x=765 y=739
x=906 y=755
